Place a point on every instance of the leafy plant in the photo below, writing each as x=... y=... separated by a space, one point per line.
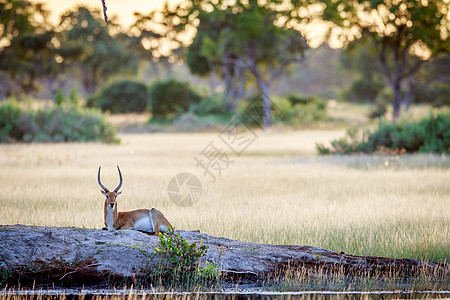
x=10 y=119
x=363 y=90
x=62 y=123
x=179 y=251
x=171 y=98
x=215 y=104
x=428 y=135
x=121 y=96
x=180 y=264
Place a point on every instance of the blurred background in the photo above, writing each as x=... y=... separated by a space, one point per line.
x=193 y=65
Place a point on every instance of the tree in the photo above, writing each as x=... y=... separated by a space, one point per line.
x=21 y=38
x=246 y=36
x=87 y=46
x=203 y=60
x=358 y=61
x=156 y=37
x=406 y=33
x=29 y=57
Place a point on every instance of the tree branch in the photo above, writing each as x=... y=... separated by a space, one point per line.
x=384 y=64
x=104 y=11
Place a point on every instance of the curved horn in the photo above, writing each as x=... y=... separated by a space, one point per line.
x=99 y=182
x=120 y=183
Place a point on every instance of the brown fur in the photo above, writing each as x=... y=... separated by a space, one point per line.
x=127 y=219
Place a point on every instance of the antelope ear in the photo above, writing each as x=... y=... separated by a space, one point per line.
x=118 y=193
x=103 y=193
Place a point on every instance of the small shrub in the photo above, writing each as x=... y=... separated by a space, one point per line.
x=121 y=96
x=10 y=121
x=66 y=123
x=171 y=98
x=437 y=133
x=436 y=94
x=381 y=104
x=428 y=135
x=302 y=111
x=362 y=90
x=190 y=122
x=59 y=98
x=180 y=264
x=295 y=99
x=215 y=104
x=307 y=114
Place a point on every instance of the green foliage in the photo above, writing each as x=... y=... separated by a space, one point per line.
x=88 y=47
x=180 y=264
x=293 y=110
x=29 y=57
x=121 y=96
x=301 y=110
x=179 y=251
x=297 y=99
x=245 y=38
x=73 y=97
x=59 y=98
x=362 y=90
x=11 y=116
x=411 y=23
x=65 y=123
x=436 y=94
x=379 y=110
x=171 y=98
x=428 y=135
x=15 y=17
x=215 y=104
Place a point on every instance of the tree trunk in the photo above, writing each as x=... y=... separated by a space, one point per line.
x=409 y=97
x=3 y=83
x=51 y=86
x=155 y=69
x=397 y=101
x=267 y=106
x=264 y=89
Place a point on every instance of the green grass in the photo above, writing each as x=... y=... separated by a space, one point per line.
x=279 y=191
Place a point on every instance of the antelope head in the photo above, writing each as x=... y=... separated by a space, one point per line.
x=110 y=201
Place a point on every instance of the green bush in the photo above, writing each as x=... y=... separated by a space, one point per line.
x=428 y=135
x=384 y=98
x=216 y=104
x=362 y=90
x=437 y=128
x=67 y=123
x=11 y=117
x=291 y=110
x=180 y=263
x=436 y=94
x=171 y=98
x=297 y=99
x=121 y=96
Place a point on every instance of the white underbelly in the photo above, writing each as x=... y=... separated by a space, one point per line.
x=144 y=225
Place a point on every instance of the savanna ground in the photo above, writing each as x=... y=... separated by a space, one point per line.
x=278 y=191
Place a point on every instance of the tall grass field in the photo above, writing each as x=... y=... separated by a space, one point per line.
x=276 y=191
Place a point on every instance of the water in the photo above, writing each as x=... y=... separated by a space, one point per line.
x=148 y=294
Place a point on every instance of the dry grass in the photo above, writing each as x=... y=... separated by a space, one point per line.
x=278 y=191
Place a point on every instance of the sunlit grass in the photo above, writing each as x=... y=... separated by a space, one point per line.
x=278 y=191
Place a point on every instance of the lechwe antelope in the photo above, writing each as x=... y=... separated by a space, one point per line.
x=150 y=221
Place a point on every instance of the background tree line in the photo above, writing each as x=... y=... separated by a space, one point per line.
x=392 y=51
